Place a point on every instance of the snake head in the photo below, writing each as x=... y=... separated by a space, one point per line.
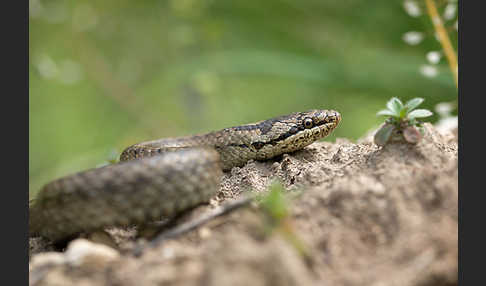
x=323 y=122
x=293 y=132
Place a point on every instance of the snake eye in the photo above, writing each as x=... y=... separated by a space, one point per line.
x=308 y=123
x=258 y=145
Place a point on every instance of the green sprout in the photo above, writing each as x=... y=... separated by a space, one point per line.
x=275 y=205
x=111 y=157
x=402 y=123
x=276 y=209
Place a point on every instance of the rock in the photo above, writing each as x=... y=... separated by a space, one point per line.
x=47 y=259
x=82 y=252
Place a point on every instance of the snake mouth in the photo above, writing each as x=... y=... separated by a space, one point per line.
x=330 y=122
x=332 y=117
x=338 y=117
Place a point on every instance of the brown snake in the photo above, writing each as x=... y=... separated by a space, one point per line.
x=169 y=176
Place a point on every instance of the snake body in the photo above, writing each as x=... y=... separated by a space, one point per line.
x=162 y=178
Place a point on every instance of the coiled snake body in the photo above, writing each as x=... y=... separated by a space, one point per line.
x=167 y=176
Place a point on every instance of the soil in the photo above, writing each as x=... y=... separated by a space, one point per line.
x=366 y=215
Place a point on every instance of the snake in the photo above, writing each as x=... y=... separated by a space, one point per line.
x=165 y=177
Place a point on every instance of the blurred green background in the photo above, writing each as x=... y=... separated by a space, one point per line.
x=107 y=74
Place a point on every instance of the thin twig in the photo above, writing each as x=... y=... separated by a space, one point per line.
x=193 y=224
x=443 y=37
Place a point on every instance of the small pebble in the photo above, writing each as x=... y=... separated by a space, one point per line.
x=82 y=251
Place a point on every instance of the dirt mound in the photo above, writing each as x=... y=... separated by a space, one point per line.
x=366 y=215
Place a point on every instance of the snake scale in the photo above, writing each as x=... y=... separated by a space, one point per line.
x=162 y=178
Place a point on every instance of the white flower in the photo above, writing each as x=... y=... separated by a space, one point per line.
x=447 y=124
x=433 y=57
x=444 y=108
x=450 y=11
x=412 y=8
x=413 y=37
x=35 y=8
x=47 y=67
x=429 y=71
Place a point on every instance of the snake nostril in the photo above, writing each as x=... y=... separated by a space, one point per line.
x=337 y=116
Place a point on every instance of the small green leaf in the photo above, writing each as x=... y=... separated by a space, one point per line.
x=113 y=156
x=418 y=113
x=403 y=113
x=275 y=203
x=413 y=103
x=395 y=105
x=383 y=134
x=386 y=112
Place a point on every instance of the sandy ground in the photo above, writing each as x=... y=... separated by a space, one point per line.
x=365 y=216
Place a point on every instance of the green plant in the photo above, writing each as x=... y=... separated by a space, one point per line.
x=275 y=205
x=402 y=123
x=277 y=214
